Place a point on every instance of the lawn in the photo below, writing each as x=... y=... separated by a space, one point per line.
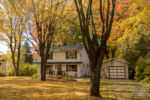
x=26 y=88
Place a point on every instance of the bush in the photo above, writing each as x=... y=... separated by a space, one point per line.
x=28 y=70
x=2 y=74
x=69 y=79
x=34 y=76
x=142 y=70
x=147 y=79
x=24 y=70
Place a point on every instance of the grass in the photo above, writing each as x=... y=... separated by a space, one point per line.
x=26 y=88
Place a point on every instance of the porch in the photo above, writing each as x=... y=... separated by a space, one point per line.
x=62 y=70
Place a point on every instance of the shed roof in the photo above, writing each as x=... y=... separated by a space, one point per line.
x=67 y=47
x=115 y=59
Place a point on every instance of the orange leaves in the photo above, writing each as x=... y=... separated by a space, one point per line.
x=122 y=11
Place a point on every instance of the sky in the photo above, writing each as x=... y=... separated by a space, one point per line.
x=3 y=47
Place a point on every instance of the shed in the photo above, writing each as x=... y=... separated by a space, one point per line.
x=115 y=69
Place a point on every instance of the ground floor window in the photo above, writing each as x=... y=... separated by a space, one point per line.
x=72 y=68
x=49 y=69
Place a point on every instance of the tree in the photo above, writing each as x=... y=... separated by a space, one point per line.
x=27 y=47
x=94 y=44
x=71 y=36
x=46 y=21
x=124 y=10
x=13 y=27
x=136 y=29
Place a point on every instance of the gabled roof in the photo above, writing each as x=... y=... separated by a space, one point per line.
x=67 y=47
x=115 y=60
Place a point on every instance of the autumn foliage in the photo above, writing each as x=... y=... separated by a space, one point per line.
x=123 y=10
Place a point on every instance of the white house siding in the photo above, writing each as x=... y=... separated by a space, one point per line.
x=85 y=68
x=3 y=66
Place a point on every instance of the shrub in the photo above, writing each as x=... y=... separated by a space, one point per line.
x=69 y=79
x=34 y=76
x=142 y=69
x=147 y=79
x=2 y=74
x=24 y=70
x=147 y=71
x=28 y=70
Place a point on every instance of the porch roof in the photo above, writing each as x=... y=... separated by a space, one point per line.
x=62 y=62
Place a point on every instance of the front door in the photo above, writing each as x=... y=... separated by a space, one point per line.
x=59 y=69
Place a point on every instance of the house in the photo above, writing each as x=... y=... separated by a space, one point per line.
x=72 y=60
x=67 y=60
x=114 y=69
x=3 y=66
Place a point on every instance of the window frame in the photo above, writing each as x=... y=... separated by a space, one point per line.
x=49 y=69
x=71 y=57
x=50 y=55
x=73 y=70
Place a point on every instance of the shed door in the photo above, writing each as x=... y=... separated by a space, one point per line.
x=117 y=72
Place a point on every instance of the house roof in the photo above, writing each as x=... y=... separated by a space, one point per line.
x=115 y=60
x=67 y=47
x=61 y=62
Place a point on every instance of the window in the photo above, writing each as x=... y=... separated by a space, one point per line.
x=72 y=68
x=49 y=69
x=50 y=56
x=71 y=55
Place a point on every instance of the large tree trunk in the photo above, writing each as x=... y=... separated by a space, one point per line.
x=96 y=65
x=95 y=81
x=17 y=73
x=94 y=47
x=43 y=69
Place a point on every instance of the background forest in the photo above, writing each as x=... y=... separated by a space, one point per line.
x=22 y=23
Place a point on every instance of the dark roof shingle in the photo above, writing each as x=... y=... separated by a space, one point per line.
x=67 y=47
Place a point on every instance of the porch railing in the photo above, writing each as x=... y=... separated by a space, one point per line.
x=61 y=73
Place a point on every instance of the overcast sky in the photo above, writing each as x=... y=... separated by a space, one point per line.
x=3 y=47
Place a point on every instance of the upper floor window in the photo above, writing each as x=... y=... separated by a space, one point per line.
x=50 y=55
x=71 y=55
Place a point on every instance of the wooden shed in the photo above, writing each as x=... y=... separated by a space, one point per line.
x=115 y=69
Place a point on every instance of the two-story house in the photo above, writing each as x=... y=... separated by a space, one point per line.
x=67 y=60
x=72 y=60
